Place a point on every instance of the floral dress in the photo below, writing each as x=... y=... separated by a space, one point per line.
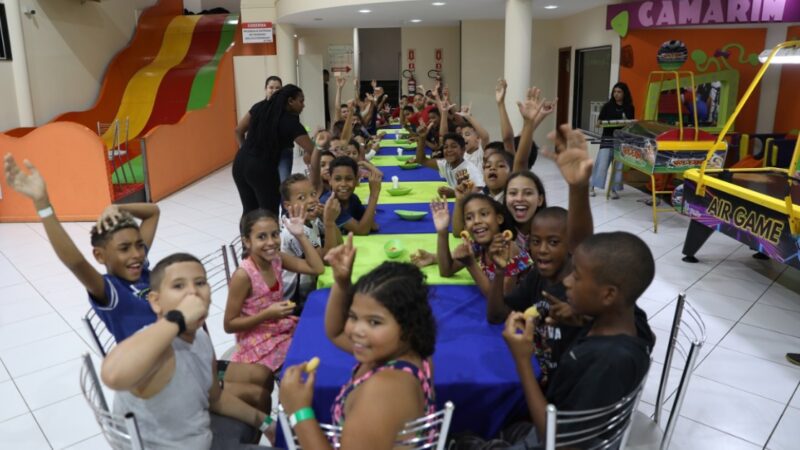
x=267 y=342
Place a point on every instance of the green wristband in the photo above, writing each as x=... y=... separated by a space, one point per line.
x=300 y=415
x=265 y=424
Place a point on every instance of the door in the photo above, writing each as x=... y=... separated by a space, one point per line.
x=564 y=64
x=309 y=78
x=592 y=78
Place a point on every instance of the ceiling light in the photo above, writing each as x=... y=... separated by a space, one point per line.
x=551 y=7
x=365 y=11
x=295 y=35
x=416 y=20
x=438 y=3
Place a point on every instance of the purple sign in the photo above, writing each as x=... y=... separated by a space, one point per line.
x=675 y=13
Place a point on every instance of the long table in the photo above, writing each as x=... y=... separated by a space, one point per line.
x=472 y=366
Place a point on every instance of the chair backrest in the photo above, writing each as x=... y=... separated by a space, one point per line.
x=236 y=248
x=686 y=338
x=599 y=428
x=218 y=269
x=121 y=432
x=427 y=432
x=103 y=340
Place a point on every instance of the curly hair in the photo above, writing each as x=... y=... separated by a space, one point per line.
x=401 y=288
x=101 y=238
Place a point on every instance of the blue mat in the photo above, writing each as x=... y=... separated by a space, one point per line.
x=421 y=173
x=472 y=365
x=391 y=223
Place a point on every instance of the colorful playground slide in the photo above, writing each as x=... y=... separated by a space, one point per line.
x=175 y=68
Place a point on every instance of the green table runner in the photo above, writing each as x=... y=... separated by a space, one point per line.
x=370 y=254
x=422 y=192
x=397 y=143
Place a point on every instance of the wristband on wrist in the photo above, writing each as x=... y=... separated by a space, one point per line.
x=265 y=424
x=45 y=212
x=301 y=415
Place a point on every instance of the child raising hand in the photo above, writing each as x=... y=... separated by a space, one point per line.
x=256 y=310
x=385 y=322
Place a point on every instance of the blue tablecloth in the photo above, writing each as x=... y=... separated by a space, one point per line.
x=421 y=173
x=472 y=365
x=391 y=223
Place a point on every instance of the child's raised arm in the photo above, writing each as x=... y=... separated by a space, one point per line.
x=134 y=362
x=333 y=237
x=466 y=113
x=506 y=130
x=441 y=220
x=337 y=116
x=315 y=171
x=572 y=156
x=312 y=263
x=366 y=224
x=522 y=347
x=148 y=213
x=32 y=185
x=341 y=261
x=420 y=156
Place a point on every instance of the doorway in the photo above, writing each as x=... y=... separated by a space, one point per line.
x=592 y=78
x=564 y=62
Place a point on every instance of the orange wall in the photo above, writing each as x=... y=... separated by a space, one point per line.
x=787 y=113
x=645 y=43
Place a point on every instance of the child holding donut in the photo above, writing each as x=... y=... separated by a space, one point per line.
x=256 y=310
x=384 y=320
x=485 y=228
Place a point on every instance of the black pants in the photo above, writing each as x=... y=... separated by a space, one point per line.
x=257 y=181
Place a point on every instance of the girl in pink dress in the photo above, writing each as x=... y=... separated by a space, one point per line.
x=256 y=311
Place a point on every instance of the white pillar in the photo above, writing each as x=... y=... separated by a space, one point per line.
x=287 y=53
x=19 y=64
x=517 y=63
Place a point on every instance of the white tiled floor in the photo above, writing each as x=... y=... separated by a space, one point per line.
x=744 y=394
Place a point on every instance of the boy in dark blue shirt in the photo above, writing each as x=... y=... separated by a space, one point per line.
x=354 y=217
x=120 y=296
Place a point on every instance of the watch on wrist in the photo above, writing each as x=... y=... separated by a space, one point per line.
x=176 y=317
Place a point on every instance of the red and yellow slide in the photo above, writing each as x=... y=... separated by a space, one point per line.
x=171 y=90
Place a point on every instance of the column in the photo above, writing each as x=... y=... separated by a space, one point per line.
x=517 y=61
x=287 y=53
x=19 y=64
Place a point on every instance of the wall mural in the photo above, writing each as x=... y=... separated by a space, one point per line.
x=723 y=62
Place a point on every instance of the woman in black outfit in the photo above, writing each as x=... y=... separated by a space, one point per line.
x=618 y=107
x=274 y=125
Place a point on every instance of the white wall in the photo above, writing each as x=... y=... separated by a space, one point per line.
x=315 y=41
x=425 y=40
x=482 y=43
x=8 y=105
x=68 y=46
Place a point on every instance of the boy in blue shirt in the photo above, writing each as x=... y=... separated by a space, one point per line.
x=354 y=217
x=120 y=296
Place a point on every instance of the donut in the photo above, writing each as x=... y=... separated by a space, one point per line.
x=531 y=312
x=312 y=364
x=465 y=234
x=508 y=235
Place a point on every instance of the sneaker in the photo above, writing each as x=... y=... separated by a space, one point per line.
x=614 y=195
x=793 y=358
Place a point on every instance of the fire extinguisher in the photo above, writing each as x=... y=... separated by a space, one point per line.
x=412 y=85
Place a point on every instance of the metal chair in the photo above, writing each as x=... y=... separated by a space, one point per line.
x=236 y=248
x=102 y=339
x=427 y=432
x=599 y=428
x=687 y=337
x=121 y=432
x=218 y=270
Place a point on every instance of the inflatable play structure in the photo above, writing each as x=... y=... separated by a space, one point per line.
x=165 y=117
